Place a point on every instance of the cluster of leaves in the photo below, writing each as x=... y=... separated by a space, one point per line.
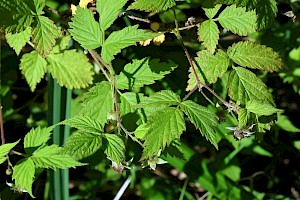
x=156 y=121
x=37 y=155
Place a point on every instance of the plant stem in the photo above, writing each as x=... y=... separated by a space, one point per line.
x=1 y=126
x=17 y=153
x=98 y=59
x=198 y=82
x=183 y=189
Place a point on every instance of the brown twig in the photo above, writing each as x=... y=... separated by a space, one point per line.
x=98 y=59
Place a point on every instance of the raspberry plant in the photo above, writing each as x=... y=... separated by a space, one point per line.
x=117 y=109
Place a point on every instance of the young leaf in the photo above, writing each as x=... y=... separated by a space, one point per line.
x=142 y=72
x=84 y=123
x=114 y=148
x=261 y=108
x=33 y=67
x=238 y=20
x=128 y=102
x=166 y=97
x=18 y=40
x=109 y=12
x=204 y=119
x=255 y=56
x=192 y=78
x=85 y=30
x=98 y=102
x=119 y=40
x=37 y=137
x=243 y=86
x=38 y=6
x=52 y=157
x=23 y=174
x=164 y=126
x=152 y=5
x=5 y=149
x=82 y=144
x=208 y=33
x=65 y=67
x=211 y=12
x=16 y=15
x=44 y=34
x=212 y=66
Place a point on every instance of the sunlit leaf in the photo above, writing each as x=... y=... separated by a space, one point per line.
x=37 y=137
x=152 y=5
x=261 y=108
x=166 y=97
x=208 y=33
x=18 y=40
x=114 y=148
x=4 y=150
x=84 y=123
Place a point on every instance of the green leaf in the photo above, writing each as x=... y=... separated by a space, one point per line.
x=204 y=119
x=44 y=34
x=39 y=6
x=85 y=30
x=23 y=174
x=71 y=69
x=285 y=124
x=18 y=40
x=114 y=148
x=33 y=67
x=52 y=157
x=37 y=137
x=266 y=10
x=152 y=5
x=119 y=40
x=84 y=123
x=212 y=66
x=142 y=72
x=192 y=78
x=16 y=15
x=211 y=12
x=98 y=102
x=128 y=102
x=5 y=149
x=82 y=144
x=243 y=86
x=208 y=33
x=141 y=131
x=243 y=116
x=109 y=12
x=62 y=44
x=255 y=56
x=164 y=126
x=166 y=97
x=261 y=108
x=238 y=20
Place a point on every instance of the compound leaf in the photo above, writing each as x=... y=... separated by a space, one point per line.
x=166 y=97
x=152 y=5
x=52 y=157
x=44 y=34
x=119 y=40
x=164 y=126
x=5 y=149
x=238 y=20
x=142 y=72
x=255 y=56
x=82 y=144
x=243 y=85
x=208 y=33
x=71 y=69
x=98 y=102
x=204 y=120
x=18 y=40
x=109 y=12
x=85 y=30
x=33 y=67
x=129 y=100
x=23 y=174
x=114 y=148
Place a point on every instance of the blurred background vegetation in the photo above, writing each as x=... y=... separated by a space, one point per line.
x=263 y=168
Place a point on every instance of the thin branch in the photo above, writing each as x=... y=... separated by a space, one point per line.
x=130 y=135
x=1 y=126
x=98 y=59
x=17 y=153
x=189 y=94
x=198 y=82
x=117 y=105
